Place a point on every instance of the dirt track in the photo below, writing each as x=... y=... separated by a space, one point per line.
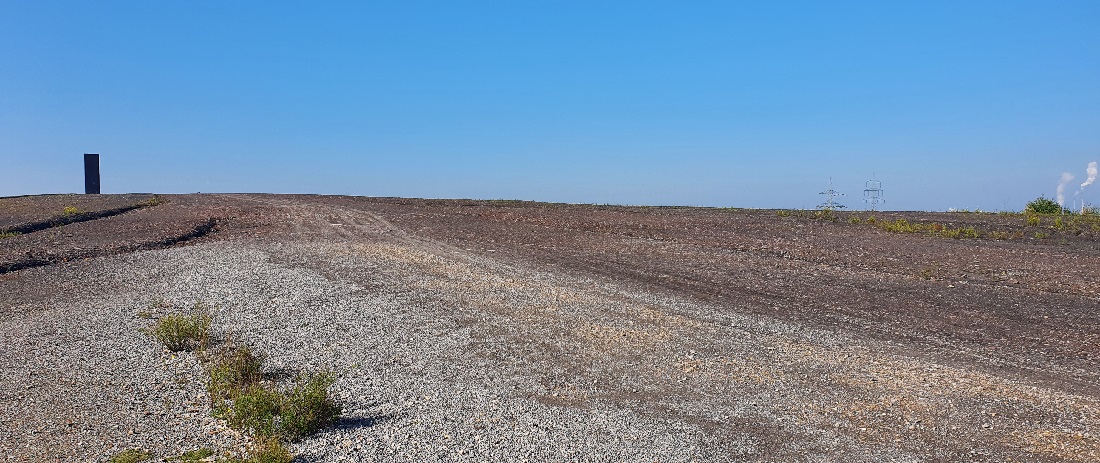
x=757 y=336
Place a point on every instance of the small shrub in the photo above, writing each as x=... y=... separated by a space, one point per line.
x=255 y=410
x=266 y=412
x=969 y=232
x=308 y=408
x=1043 y=205
x=184 y=332
x=8 y=234
x=783 y=213
x=154 y=201
x=952 y=233
x=1040 y=235
x=131 y=456
x=1059 y=224
x=69 y=211
x=231 y=374
x=999 y=235
x=854 y=220
x=1033 y=220
x=871 y=219
x=926 y=274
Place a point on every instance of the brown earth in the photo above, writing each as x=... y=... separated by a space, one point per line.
x=938 y=347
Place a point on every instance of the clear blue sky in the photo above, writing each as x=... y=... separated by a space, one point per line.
x=750 y=104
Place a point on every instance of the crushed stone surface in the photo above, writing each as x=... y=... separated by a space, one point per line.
x=456 y=336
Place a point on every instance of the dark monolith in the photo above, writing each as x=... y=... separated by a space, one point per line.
x=91 y=174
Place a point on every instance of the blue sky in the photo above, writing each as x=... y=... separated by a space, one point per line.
x=748 y=104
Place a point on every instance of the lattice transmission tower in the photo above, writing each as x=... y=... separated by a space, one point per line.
x=872 y=194
x=830 y=198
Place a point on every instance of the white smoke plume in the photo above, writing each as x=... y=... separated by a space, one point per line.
x=1061 y=193
x=1091 y=170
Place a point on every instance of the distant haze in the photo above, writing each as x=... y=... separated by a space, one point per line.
x=949 y=104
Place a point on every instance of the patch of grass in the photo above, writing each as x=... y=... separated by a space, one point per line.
x=898 y=226
x=131 y=456
x=956 y=233
x=825 y=214
x=256 y=410
x=871 y=220
x=783 y=213
x=184 y=332
x=1059 y=224
x=291 y=415
x=308 y=407
x=193 y=456
x=999 y=235
x=239 y=394
x=231 y=374
x=9 y=234
x=1034 y=220
x=1040 y=235
x=154 y=201
x=70 y=211
x=854 y=220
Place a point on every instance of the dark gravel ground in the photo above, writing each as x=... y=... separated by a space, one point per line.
x=476 y=331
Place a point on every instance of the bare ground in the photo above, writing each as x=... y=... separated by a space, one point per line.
x=742 y=335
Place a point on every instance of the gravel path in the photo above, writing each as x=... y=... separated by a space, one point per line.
x=443 y=354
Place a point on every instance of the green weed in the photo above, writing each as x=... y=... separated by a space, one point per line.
x=308 y=407
x=854 y=220
x=193 y=456
x=131 y=456
x=826 y=214
x=70 y=211
x=1034 y=220
x=184 y=332
x=292 y=415
x=231 y=374
x=898 y=226
x=8 y=234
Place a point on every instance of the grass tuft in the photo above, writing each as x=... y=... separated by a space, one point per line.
x=256 y=410
x=308 y=407
x=193 y=456
x=231 y=374
x=131 y=456
x=184 y=332
x=154 y=201
x=292 y=415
